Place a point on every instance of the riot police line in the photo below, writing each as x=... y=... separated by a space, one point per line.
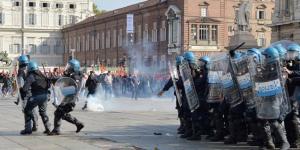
x=242 y=96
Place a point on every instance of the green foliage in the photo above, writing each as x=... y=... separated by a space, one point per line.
x=97 y=11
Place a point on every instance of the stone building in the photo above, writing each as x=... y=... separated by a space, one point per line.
x=162 y=30
x=34 y=27
x=286 y=20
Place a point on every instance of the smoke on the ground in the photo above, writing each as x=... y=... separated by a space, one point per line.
x=100 y=103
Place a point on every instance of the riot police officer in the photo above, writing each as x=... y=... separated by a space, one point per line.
x=64 y=109
x=254 y=59
x=183 y=109
x=37 y=85
x=293 y=70
x=236 y=119
x=23 y=62
x=271 y=105
x=200 y=116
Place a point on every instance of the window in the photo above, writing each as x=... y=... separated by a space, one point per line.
x=58 y=47
x=204 y=12
x=17 y=3
x=163 y=31
x=114 y=40
x=31 y=4
x=72 y=6
x=230 y=29
x=31 y=19
x=45 y=5
x=261 y=39
x=174 y=31
x=120 y=38
x=2 y=16
x=45 y=19
x=146 y=34
x=45 y=48
x=15 y=49
x=154 y=32
x=32 y=49
x=87 y=45
x=214 y=33
x=203 y=32
x=260 y=14
x=108 y=39
x=97 y=40
x=194 y=34
x=59 y=5
x=60 y=20
x=103 y=40
x=139 y=33
x=72 y=19
x=287 y=7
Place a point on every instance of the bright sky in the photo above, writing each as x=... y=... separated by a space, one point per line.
x=114 y=4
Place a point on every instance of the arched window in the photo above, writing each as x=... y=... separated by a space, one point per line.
x=261 y=12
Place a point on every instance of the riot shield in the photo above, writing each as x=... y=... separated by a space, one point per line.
x=66 y=90
x=215 y=91
x=242 y=73
x=174 y=76
x=189 y=87
x=271 y=97
x=229 y=84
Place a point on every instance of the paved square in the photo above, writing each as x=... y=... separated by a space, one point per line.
x=127 y=125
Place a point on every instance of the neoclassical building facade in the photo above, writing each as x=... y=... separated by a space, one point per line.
x=286 y=21
x=34 y=27
x=162 y=30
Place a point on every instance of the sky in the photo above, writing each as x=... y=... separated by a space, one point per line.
x=114 y=4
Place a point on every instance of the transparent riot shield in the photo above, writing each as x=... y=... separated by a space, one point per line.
x=229 y=84
x=189 y=86
x=66 y=90
x=215 y=91
x=271 y=97
x=242 y=73
x=174 y=77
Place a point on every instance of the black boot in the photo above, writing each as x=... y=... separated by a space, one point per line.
x=188 y=132
x=79 y=127
x=281 y=135
x=196 y=133
x=242 y=132
x=25 y=132
x=267 y=136
x=256 y=140
x=292 y=131
x=232 y=139
x=180 y=129
x=84 y=107
x=220 y=129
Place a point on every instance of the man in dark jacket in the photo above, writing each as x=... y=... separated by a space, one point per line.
x=91 y=85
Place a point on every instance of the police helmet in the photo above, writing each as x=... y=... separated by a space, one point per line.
x=281 y=50
x=179 y=60
x=32 y=66
x=256 y=53
x=74 y=65
x=205 y=59
x=189 y=56
x=271 y=54
x=23 y=59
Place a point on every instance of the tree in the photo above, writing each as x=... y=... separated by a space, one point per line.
x=97 y=11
